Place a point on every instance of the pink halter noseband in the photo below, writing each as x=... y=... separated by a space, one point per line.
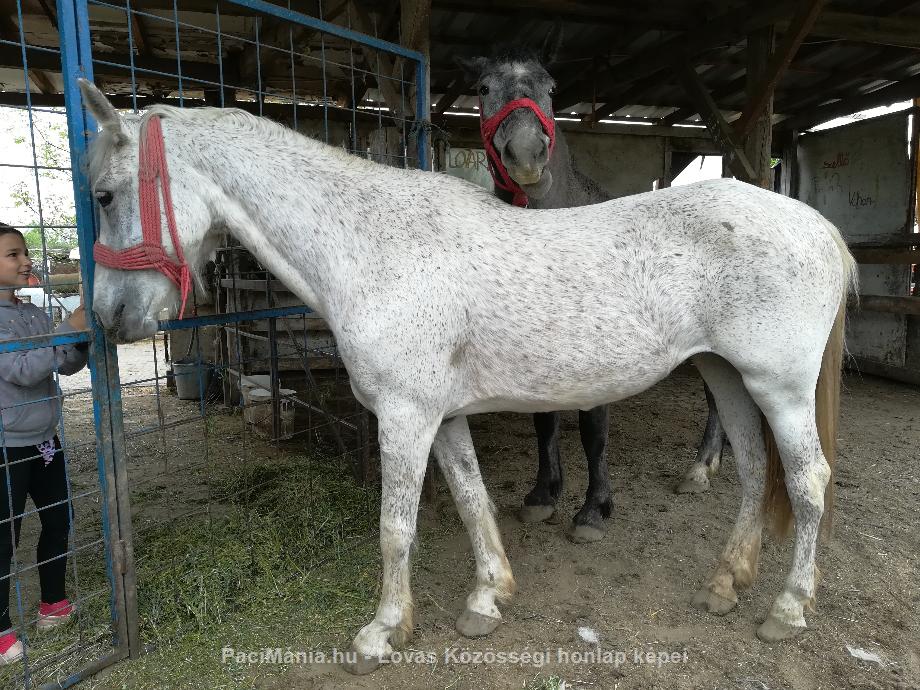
x=489 y=126
x=150 y=252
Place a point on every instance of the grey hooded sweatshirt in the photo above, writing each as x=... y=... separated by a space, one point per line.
x=29 y=406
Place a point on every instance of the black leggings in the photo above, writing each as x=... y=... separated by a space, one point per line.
x=47 y=485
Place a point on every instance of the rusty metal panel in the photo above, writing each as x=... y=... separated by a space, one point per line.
x=859 y=177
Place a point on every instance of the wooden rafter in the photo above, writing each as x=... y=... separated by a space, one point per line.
x=799 y=27
x=887 y=61
x=659 y=57
x=362 y=23
x=454 y=91
x=898 y=91
x=278 y=33
x=42 y=82
x=574 y=11
x=627 y=97
x=891 y=31
x=720 y=131
x=138 y=33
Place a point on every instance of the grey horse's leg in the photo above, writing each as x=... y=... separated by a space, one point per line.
x=709 y=455
x=588 y=524
x=540 y=503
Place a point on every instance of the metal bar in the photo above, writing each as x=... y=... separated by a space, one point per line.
x=37 y=342
x=236 y=317
x=328 y=28
x=76 y=62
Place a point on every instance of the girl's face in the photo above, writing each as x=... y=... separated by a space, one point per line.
x=15 y=264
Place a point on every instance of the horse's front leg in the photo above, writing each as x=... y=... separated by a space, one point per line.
x=709 y=455
x=405 y=434
x=456 y=456
x=540 y=503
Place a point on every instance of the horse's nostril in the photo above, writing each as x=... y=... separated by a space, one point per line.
x=116 y=316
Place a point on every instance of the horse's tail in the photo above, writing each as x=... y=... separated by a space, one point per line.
x=827 y=410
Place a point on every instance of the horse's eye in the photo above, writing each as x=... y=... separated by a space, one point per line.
x=483 y=90
x=104 y=198
x=552 y=91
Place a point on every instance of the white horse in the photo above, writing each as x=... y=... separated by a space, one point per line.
x=447 y=302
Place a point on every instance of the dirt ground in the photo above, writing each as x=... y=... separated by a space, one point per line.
x=633 y=589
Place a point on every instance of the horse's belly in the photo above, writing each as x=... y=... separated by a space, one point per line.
x=563 y=379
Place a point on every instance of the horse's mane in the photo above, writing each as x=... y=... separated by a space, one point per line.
x=515 y=51
x=265 y=130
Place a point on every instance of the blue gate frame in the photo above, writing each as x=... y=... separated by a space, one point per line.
x=76 y=62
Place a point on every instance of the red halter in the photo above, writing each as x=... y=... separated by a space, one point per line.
x=150 y=253
x=489 y=126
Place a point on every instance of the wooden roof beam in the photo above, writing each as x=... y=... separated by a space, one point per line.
x=892 y=31
x=799 y=27
x=720 y=131
x=888 y=60
x=382 y=61
x=729 y=27
x=899 y=91
x=457 y=88
x=578 y=11
x=9 y=29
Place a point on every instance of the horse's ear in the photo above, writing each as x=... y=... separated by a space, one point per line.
x=472 y=67
x=101 y=108
x=552 y=44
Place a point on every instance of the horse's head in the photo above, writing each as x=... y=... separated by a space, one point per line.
x=129 y=290
x=521 y=139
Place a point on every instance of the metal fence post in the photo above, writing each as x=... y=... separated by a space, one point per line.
x=76 y=62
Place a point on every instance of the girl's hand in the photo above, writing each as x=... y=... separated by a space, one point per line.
x=77 y=318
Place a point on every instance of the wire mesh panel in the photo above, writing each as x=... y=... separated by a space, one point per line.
x=240 y=457
x=56 y=546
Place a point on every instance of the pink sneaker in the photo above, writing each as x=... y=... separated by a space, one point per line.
x=10 y=648
x=52 y=615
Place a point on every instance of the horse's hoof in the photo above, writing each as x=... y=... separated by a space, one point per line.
x=472 y=624
x=707 y=600
x=357 y=664
x=584 y=534
x=775 y=630
x=693 y=485
x=531 y=514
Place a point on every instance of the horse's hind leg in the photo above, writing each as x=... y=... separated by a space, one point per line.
x=709 y=455
x=540 y=503
x=456 y=456
x=588 y=524
x=405 y=441
x=738 y=562
x=791 y=414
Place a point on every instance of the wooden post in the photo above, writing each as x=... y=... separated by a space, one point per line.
x=757 y=144
x=416 y=34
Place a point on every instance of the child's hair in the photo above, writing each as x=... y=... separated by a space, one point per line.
x=9 y=230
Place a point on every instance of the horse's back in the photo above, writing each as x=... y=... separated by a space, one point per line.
x=620 y=293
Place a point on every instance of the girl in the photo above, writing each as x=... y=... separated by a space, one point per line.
x=32 y=462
